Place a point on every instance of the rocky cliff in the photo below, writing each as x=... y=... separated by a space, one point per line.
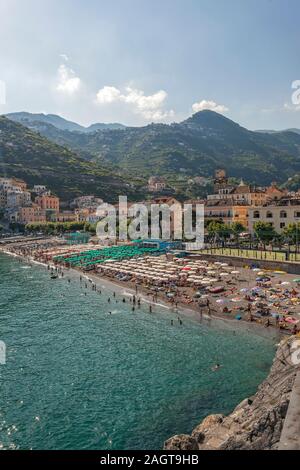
x=256 y=423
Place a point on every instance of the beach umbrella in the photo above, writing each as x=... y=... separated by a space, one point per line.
x=291 y=320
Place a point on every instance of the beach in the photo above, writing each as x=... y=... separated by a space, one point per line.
x=206 y=291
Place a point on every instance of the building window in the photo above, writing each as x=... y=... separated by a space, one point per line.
x=297 y=214
x=256 y=215
x=283 y=215
x=269 y=215
x=282 y=224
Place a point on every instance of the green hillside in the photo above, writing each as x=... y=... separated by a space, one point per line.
x=197 y=146
x=27 y=155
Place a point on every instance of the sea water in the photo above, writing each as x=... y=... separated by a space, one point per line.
x=85 y=373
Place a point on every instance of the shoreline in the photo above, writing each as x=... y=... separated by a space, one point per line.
x=270 y=334
x=212 y=320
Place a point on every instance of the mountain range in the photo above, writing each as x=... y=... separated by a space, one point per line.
x=32 y=120
x=27 y=155
x=196 y=146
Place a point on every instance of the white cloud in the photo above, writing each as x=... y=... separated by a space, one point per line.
x=211 y=105
x=148 y=106
x=108 y=94
x=67 y=81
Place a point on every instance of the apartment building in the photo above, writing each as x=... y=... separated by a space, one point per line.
x=279 y=214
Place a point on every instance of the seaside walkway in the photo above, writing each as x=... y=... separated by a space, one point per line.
x=290 y=436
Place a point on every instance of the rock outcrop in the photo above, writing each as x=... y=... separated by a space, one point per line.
x=256 y=423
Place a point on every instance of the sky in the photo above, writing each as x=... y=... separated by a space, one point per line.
x=142 y=61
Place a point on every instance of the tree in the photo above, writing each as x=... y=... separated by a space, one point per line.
x=237 y=228
x=218 y=230
x=291 y=234
x=265 y=232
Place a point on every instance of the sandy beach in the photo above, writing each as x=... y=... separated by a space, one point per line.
x=237 y=305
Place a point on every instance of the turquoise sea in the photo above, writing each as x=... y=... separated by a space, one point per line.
x=77 y=377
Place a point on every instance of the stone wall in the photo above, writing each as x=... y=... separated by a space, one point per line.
x=289 y=267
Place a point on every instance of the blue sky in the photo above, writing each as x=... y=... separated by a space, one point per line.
x=137 y=61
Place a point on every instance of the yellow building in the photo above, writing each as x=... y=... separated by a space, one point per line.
x=228 y=211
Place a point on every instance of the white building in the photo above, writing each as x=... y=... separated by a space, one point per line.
x=39 y=189
x=279 y=215
x=17 y=198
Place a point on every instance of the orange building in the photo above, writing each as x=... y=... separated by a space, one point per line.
x=240 y=214
x=19 y=184
x=48 y=202
x=30 y=214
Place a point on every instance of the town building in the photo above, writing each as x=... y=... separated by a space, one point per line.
x=31 y=214
x=87 y=202
x=279 y=214
x=221 y=181
x=3 y=199
x=227 y=211
x=17 y=198
x=47 y=202
x=156 y=184
x=40 y=189
x=66 y=216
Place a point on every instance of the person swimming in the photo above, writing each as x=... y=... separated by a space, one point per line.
x=215 y=367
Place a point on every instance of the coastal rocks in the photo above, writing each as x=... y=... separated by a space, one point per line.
x=181 y=442
x=256 y=423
